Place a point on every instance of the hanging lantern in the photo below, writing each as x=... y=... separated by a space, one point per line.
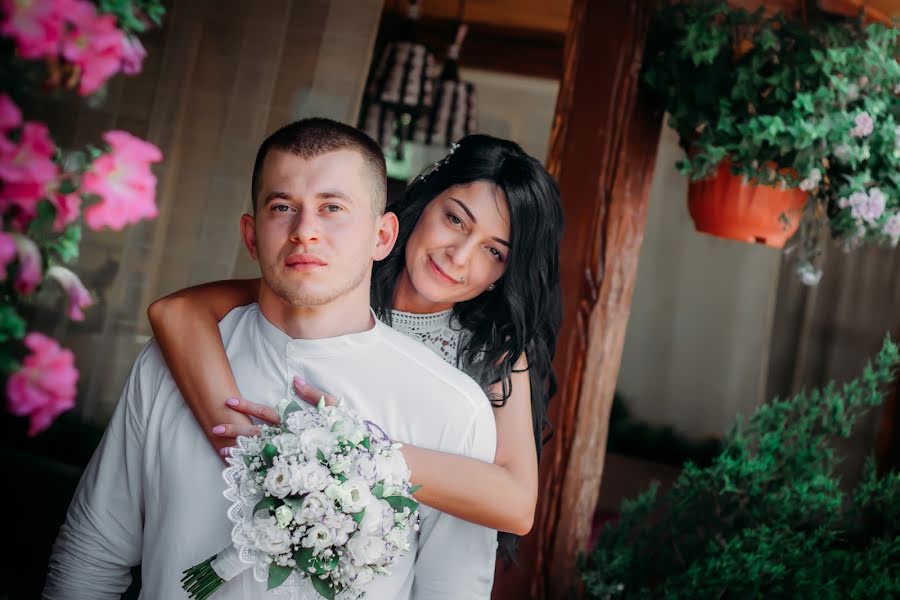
x=453 y=114
x=400 y=89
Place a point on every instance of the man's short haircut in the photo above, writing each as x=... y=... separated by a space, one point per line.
x=313 y=137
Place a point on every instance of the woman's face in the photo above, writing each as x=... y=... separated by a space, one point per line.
x=458 y=248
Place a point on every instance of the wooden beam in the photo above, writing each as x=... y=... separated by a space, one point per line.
x=603 y=150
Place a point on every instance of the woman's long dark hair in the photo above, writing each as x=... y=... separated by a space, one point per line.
x=523 y=312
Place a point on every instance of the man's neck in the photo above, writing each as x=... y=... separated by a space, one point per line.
x=342 y=316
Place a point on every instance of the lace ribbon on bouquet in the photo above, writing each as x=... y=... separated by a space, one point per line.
x=243 y=494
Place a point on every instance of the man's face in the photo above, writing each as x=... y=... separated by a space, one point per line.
x=314 y=233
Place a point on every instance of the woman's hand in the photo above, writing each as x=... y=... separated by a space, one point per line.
x=229 y=431
x=311 y=394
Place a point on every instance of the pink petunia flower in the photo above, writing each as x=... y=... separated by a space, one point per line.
x=28 y=170
x=67 y=208
x=94 y=44
x=79 y=297
x=35 y=25
x=30 y=265
x=8 y=253
x=10 y=115
x=123 y=180
x=133 y=54
x=45 y=385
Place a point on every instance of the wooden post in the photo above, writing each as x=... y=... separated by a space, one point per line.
x=603 y=150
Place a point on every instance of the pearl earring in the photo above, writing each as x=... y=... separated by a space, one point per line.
x=491 y=287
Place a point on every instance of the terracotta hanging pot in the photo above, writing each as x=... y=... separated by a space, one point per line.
x=727 y=207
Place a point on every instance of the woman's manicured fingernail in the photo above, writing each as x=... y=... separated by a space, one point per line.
x=218 y=429
x=225 y=451
x=232 y=402
x=298 y=382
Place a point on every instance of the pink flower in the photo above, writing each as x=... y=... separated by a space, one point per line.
x=35 y=25
x=94 y=44
x=28 y=170
x=863 y=125
x=864 y=207
x=10 y=115
x=123 y=180
x=30 y=265
x=79 y=297
x=45 y=385
x=7 y=253
x=67 y=208
x=133 y=54
x=892 y=228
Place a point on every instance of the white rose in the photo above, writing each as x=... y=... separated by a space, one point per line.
x=399 y=538
x=288 y=444
x=355 y=495
x=318 y=538
x=365 y=549
x=310 y=477
x=269 y=538
x=363 y=576
x=317 y=439
x=278 y=481
x=284 y=515
x=391 y=467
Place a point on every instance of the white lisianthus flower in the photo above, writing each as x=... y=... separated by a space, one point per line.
x=372 y=522
x=314 y=507
x=364 y=468
x=366 y=549
x=303 y=419
x=356 y=495
x=284 y=515
x=278 y=481
x=317 y=439
x=318 y=538
x=399 y=538
x=391 y=468
x=288 y=444
x=269 y=538
x=310 y=477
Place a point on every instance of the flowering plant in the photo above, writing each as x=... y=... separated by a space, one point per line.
x=46 y=193
x=322 y=502
x=814 y=106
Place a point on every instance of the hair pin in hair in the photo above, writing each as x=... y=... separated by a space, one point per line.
x=424 y=174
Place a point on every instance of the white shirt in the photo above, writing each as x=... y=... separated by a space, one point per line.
x=152 y=493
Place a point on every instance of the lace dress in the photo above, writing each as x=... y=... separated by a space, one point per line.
x=439 y=331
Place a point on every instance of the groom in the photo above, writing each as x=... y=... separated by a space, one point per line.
x=152 y=494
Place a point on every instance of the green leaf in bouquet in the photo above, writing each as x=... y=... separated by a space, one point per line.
x=367 y=443
x=294 y=502
x=291 y=408
x=269 y=452
x=42 y=224
x=321 y=456
x=324 y=587
x=378 y=490
x=248 y=459
x=341 y=477
x=358 y=516
x=415 y=488
x=398 y=503
x=269 y=502
x=277 y=575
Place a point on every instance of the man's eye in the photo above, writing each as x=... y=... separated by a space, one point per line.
x=281 y=208
x=333 y=208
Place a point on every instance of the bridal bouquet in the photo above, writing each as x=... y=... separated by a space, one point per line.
x=321 y=506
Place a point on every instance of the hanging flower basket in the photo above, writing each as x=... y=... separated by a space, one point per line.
x=727 y=206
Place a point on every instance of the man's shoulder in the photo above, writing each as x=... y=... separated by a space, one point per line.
x=415 y=360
